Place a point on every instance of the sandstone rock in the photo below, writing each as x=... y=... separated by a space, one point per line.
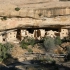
x=34 y=13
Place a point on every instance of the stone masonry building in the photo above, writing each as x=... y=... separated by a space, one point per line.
x=34 y=18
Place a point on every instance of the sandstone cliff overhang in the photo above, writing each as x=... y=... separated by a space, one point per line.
x=33 y=13
x=30 y=23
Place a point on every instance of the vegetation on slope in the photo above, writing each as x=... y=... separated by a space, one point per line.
x=17 y=8
x=27 y=41
x=5 y=50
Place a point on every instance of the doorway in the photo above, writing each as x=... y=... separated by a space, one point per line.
x=18 y=36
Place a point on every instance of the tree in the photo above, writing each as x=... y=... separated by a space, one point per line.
x=57 y=40
x=49 y=43
x=27 y=41
x=5 y=50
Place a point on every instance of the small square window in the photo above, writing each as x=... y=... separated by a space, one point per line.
x=3 y=39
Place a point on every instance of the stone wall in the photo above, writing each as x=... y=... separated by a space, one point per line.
x=64 y=33
x=11 y=36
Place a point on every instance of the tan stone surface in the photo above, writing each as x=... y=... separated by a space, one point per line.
x=18 y=51
x=27 y=7
x=30 y=10
x=29 y=22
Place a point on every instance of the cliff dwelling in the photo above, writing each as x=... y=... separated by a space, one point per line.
x=17 y=35
x=35 y=19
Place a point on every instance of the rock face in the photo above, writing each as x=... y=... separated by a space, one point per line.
x=34 y=16
x=33 y=13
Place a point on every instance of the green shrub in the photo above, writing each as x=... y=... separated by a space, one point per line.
x=31 y=41
x=68 y=49
x=49 y=43
x=1 y=59
x=57 y=41
x=17 y=8
x=30 y=50
x=8 y=46
x=23 y=44
x=66 y=39
x=67 y=58
x=27 y=41
x=4 y=18
x=4 y=50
